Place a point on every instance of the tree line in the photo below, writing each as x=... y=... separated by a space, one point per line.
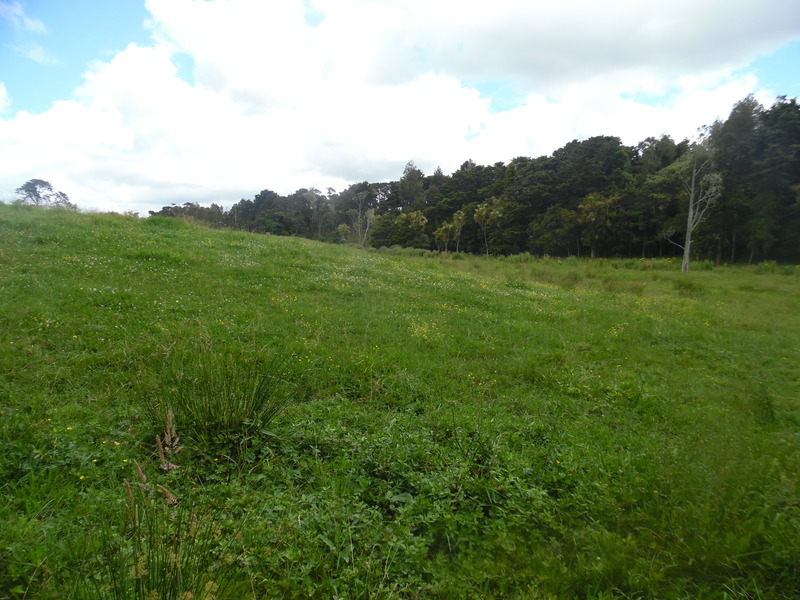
x=732 y=195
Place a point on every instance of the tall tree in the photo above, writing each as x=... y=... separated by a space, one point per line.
x=459 y=218
x=779 y=168
x=555 y=232
x=41 y=193
x=409 y=194
x=735 y=143
x=488 y=214
x=35 y=191
x=654 y=154
x=362 y=217
x=442 y=236
x=599 y=164
x=62 y=200
x=411 y=229
x=597 y=214
x=322 y=212
x=703 y=188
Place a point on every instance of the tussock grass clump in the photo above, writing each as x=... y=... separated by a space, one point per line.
x=225 y=396
x=687 y=286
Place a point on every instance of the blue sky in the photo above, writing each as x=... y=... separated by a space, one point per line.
x=42 y=64
x=144 y=103
x=780 y=70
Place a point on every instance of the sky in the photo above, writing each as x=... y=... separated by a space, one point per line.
x=133 y=105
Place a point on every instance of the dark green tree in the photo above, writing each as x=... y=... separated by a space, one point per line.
x=654 y=154
x=409 y=193
x=35 y=191
x=597 y=216
x=735 y=143
x=779 y=169
x=41 y=193
x=555 y=232
x=599 y=164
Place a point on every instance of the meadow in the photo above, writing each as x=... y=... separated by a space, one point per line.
x=192 y=413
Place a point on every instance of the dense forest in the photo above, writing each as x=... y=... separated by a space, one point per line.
x=738 y=184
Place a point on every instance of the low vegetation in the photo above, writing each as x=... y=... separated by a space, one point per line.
x=195 y=413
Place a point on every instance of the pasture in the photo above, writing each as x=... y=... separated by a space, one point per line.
x=387 y=424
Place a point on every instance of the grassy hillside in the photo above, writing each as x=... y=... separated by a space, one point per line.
x=453 y=427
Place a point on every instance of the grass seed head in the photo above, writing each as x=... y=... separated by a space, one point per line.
x=128 y=491
x=168 y=496
x=139 y=471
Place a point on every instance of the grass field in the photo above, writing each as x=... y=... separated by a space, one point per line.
x=387 y=424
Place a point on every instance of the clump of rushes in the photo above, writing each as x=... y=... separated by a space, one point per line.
x=225 y=398
x=168 y=446
x=166 y=551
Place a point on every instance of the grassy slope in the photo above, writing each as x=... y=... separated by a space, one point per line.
x=468 y=428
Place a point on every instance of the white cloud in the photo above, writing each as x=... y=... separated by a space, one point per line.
x=326 y=92
x=546 y=44
x=5 y=100
x=37 y=54
x=14 y=13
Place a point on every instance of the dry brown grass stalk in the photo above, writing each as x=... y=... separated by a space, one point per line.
x=168 y=496
x=169 y=444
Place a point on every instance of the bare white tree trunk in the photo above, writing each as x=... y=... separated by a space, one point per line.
x=367 y=219
x=703 y=190
x=362 y=219
x=687 y=246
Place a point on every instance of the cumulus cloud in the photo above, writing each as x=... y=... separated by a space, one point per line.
x=5 y=100
x=327 y=92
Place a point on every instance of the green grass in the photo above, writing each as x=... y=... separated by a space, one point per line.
x=455 y=426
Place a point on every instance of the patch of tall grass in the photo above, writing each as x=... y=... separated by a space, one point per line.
x=166 y=548
x=224 y=396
